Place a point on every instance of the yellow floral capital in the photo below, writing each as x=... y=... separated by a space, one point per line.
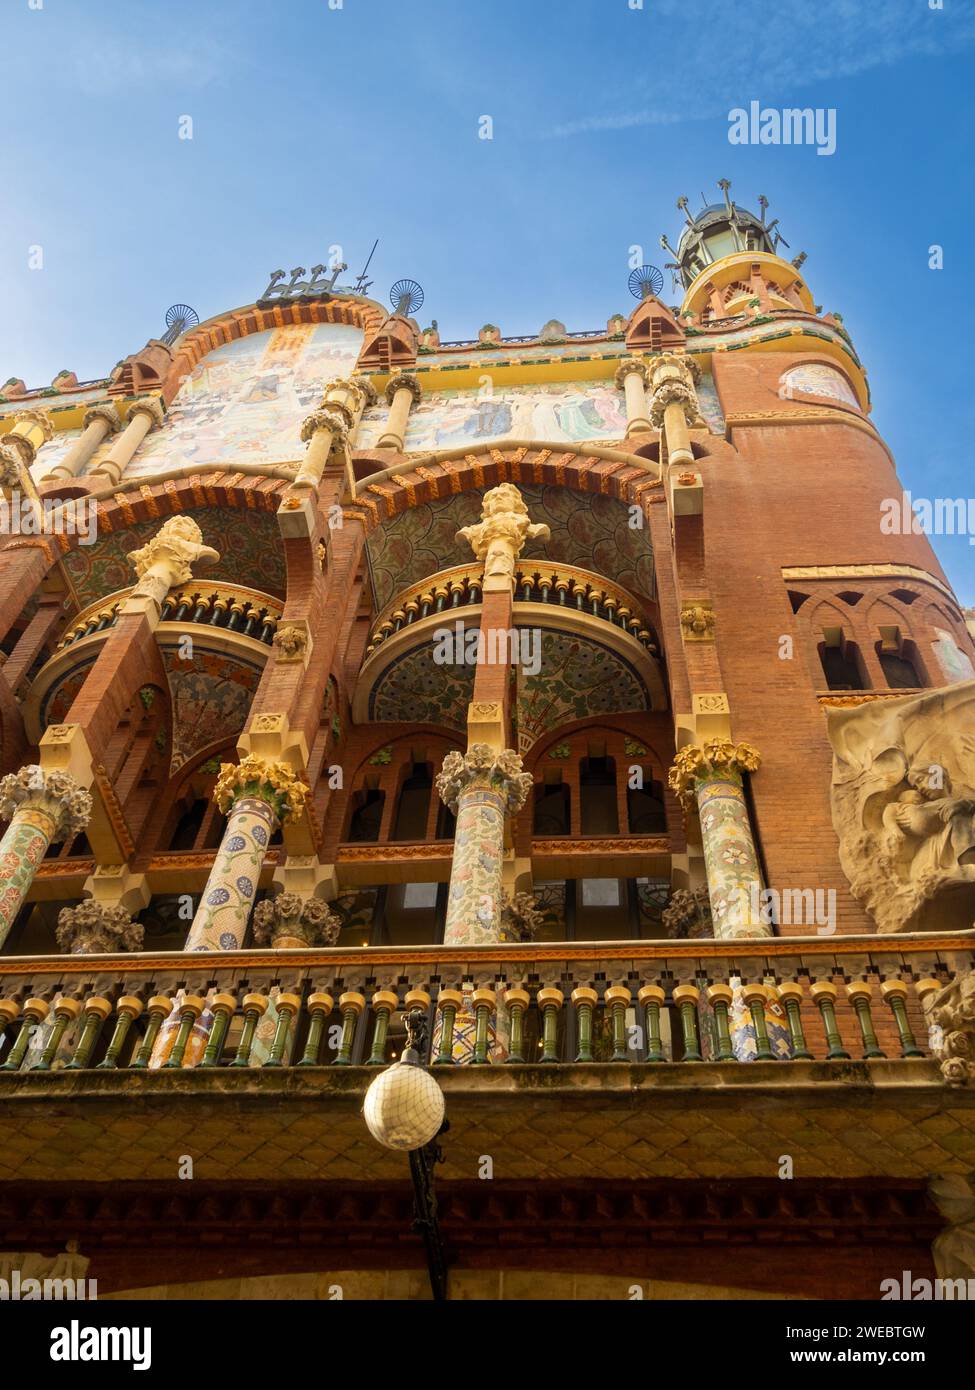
x=275 y=783
x=717 y=757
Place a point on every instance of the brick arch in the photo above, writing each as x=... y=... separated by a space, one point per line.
x=160 y=501
x=241 y=323
x=584 y=468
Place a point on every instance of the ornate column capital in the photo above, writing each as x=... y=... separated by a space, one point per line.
x=520 y=917
x=54 y=794
x=164 y=561
x=16 y=456
x=688 y=914
x=631 y=366
x=716 y=758
x=369 y=393
x=289 y=920
x=500 y=537
x=330 y=417
x=150 y=406
x=403 y=381
x=272 y=782
x=672 y=380
x=94 y=927
x=18 y=443
x=484 y=768
x=953 y=1010
x=103 y=410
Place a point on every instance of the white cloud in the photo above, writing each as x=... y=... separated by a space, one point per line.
x=730 y=57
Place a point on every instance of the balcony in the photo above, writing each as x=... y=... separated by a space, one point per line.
x=645 y=1083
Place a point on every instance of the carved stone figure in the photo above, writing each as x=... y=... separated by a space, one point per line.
x=165 y=560
x=499 y=538
x=903 y=798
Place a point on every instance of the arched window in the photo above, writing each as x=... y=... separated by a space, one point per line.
x=189 y=826
x=841 y=662
x=645 y=812
x=367 y=815
x=599 y=814
x=552 y=809
x=413 y=806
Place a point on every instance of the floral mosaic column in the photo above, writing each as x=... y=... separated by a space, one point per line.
x=256 y=796
x=481 y=787
x=711 y=776
x=43 y=808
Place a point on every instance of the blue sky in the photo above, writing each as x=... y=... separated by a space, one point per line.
x=315 y=126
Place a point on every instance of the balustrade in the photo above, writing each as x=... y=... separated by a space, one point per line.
x=231 y=608
x=643 y=1003
x=561 y=587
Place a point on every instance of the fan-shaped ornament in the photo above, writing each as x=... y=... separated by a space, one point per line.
x=406 y=297
x=645 y=281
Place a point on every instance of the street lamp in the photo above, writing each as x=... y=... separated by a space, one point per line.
x=404 y=1111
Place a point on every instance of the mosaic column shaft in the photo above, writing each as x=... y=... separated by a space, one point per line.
x=255 y=796
x=43 y=808
x=481 y=787
x=711 y=776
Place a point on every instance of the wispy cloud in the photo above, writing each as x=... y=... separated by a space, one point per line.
x=105 y=66
x=730 y=61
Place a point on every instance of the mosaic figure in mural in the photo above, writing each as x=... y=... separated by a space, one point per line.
x=556 y=411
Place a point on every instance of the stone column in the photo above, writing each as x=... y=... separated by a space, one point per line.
x=481 y=787
x=99 y=422
x=711 y=775
x=143 y=416
x=632 y=376
x=334 y=422
x=164 y=562
x=255 y=796
x=402 y=393
x=43 y=808
x=673 y=403
x=96 y=928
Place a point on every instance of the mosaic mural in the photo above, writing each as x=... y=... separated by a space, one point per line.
x=817 y=379
x=245 y=401
x=578 y=678
x=562 y=411
x=210 y=698
x=415 y=689
x=710 y=404
x=248 y=542
x=956 y=664
x=61 y=696
x=588 y=530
